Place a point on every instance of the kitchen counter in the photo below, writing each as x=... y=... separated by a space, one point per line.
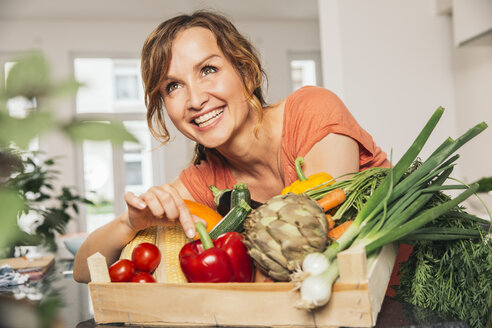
x=21 y=307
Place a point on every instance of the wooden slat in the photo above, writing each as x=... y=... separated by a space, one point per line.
x=98 y=268
x=352 y=265
x=378 y=277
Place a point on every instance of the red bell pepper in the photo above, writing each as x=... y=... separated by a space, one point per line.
x=226 y=260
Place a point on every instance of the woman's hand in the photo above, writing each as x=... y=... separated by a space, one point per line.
x=160 y=205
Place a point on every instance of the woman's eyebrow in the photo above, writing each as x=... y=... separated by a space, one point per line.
x=196 y=67
x=199 y=65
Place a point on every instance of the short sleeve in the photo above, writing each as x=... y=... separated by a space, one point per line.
x=311 y=114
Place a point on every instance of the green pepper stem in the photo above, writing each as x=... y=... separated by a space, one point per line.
x=297 y=163
x=207 y=242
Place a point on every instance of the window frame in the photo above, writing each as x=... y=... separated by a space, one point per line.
x=118 y=167
x=314 y=55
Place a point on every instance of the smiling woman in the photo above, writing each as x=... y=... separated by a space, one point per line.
x=202 y=89
x=208 y=78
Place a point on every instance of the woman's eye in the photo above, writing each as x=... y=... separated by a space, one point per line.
x=171 y=87
x=208 y=69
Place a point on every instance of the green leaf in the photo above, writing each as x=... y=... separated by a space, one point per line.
x=10 y=205
x=30 y=77
x=99 y=131
x=22 y=130
x=66 y=88
x=484 y=184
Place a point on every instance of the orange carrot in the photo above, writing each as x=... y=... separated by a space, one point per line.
x=332 y=199
x=338 y=231
x=331 y=223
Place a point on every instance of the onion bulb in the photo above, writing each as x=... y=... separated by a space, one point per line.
x=315 y=263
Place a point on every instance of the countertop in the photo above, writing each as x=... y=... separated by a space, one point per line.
x=22 y=307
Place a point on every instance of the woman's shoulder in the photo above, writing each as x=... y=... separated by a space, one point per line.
x=313 y=100
x=311 y=93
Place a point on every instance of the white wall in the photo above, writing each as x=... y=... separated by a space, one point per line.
x=394 y=62
x=473 y=85
x=395 y=67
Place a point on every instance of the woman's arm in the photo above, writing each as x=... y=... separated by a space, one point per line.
x=160 y=204
x=108 y=240
x=335 y=154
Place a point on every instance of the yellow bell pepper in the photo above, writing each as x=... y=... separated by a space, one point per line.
x=302 y=184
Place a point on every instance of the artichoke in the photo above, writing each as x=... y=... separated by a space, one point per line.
x=281 y=232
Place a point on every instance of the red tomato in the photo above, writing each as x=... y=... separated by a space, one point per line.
x=142 y=277
x=121 y=270
x=146 y=257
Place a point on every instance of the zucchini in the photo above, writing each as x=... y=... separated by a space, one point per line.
x=240 y=191
x=232 y=221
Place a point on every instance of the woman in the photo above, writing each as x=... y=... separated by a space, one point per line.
x=208 y=78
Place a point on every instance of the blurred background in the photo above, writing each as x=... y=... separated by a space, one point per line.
x=392 y=62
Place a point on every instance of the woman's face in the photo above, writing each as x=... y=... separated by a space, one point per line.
x=203 y=93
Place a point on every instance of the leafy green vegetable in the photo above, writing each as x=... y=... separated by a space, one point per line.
x=451 y=277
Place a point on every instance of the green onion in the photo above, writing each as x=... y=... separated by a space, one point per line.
x=375 y=203
x=420 y=220
x=395 y=209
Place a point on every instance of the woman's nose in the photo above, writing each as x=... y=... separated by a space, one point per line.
x=197 y=97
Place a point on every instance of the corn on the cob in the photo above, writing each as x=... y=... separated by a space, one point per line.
x=170 y=240
x=143 y=236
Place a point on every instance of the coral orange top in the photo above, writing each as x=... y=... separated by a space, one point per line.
x=311 y=113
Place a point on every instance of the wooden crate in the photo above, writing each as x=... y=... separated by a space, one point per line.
x=355 y=302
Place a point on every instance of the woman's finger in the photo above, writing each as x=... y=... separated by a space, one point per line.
x=154 y=204
x=167 y=202
x=132 y=200
x=184 y=213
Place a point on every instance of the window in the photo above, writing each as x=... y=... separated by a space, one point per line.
x=112 y=90
x=110 y=85
x=305 y=69
x=127 y=83
x=303 y=72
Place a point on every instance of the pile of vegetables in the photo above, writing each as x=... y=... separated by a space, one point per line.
x=387 y=205
x=297 y=235
x=220 y=255
x=396 y=208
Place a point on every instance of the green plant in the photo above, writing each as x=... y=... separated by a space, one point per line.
x=33 y=181
x=26 y=182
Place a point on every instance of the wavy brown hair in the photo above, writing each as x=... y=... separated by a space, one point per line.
x=156 y=57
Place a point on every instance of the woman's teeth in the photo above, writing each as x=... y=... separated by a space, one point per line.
x=208 y=118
